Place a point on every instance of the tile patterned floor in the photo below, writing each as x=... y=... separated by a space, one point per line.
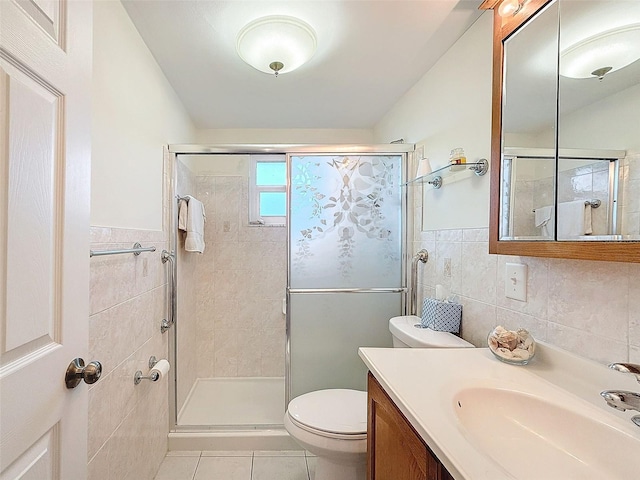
x=237 y=465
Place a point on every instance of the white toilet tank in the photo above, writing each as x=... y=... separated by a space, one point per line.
x=406 y=334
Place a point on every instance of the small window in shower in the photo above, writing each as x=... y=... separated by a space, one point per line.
x=268 y=190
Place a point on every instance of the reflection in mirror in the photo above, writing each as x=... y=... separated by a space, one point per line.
x=593 y=98
x=529 y=98
x=528 y=121
x=598 y=108
x=528 y=194
x=587 y=189
x=588 y=197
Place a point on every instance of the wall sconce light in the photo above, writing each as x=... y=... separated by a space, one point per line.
x=276 y=44
x=602 y=54
x=424 y=168
x=508 y=8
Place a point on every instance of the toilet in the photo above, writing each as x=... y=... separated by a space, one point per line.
x=332 y=424
x=407 y=332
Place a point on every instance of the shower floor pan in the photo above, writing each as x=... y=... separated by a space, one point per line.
x=238 y=401
x=244 y=413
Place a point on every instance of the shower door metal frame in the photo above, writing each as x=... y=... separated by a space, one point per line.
x=171 y=153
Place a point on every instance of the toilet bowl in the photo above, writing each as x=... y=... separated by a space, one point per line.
x=332 y=424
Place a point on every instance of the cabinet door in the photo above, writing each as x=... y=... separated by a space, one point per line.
x=395 y=451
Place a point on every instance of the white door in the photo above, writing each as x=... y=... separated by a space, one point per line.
x=45 y=75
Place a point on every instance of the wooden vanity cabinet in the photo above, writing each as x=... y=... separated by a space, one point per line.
x=395 y=451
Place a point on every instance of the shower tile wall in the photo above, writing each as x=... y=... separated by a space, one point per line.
x=240 y=284
x=528 y=195
x=127 y=303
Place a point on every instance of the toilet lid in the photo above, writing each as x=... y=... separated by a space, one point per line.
x=334 y=411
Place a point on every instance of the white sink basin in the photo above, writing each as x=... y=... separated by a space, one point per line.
x=539 y=438
x=486 y=420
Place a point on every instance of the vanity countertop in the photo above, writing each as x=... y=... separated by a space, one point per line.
x=485 y=419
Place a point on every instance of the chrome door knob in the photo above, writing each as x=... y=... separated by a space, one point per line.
x=77 y=371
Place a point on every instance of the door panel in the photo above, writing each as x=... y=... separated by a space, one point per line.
x=45 y=73
x=46 y=14
x=346 y=219
x=33 y=212
x=345 y=235
x=39 y=461
x=327 y=330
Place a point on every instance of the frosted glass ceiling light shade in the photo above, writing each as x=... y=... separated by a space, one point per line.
x=602 y=54
x=276 y=44
x=509 y=8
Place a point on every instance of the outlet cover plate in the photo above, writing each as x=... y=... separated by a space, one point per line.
x=515 y=281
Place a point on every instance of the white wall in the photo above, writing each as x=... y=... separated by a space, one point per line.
x=451 y=107
x=135 y=113
x=291 y=135
x=613 y=122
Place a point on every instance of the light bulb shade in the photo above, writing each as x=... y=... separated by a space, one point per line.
x=424 y=168
x=266 y=40
x=614 y=48
x=509 y=8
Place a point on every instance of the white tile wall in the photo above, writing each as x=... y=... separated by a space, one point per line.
x=590 y=308
x=127 y=303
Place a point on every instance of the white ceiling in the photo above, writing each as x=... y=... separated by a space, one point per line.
x=369 y=54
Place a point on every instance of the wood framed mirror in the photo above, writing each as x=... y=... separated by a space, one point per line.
x=521 y=28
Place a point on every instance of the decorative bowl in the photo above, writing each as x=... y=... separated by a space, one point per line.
x=516 y=347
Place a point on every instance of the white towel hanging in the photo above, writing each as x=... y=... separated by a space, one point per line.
x=191 y=218
x=574 y=219
x=542 y=216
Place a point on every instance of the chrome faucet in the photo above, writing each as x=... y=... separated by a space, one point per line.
x=627 y=368
x=621 y=399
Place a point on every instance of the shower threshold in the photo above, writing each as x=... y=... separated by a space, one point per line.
x=232 y=440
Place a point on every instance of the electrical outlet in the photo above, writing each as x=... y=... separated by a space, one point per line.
x=447 y=267
x=515 y=281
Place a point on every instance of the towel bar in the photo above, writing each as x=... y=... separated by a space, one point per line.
x=136 y=250
x=595 y=203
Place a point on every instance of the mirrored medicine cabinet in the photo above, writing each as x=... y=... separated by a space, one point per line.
x=565 y=161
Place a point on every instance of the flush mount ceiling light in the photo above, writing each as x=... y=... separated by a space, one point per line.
x=510 y=7
x=276 y=44
x=601 y=54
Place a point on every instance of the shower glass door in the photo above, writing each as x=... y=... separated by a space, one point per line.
x=345 y=276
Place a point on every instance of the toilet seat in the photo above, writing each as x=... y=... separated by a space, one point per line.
x=334 y=413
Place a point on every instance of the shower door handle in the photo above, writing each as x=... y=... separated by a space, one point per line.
x=348 y=290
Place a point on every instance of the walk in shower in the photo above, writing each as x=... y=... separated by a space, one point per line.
x=277 y=305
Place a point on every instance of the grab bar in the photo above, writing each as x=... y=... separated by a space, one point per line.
x=421 y=256
x=167 y=324
x=136 y=250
